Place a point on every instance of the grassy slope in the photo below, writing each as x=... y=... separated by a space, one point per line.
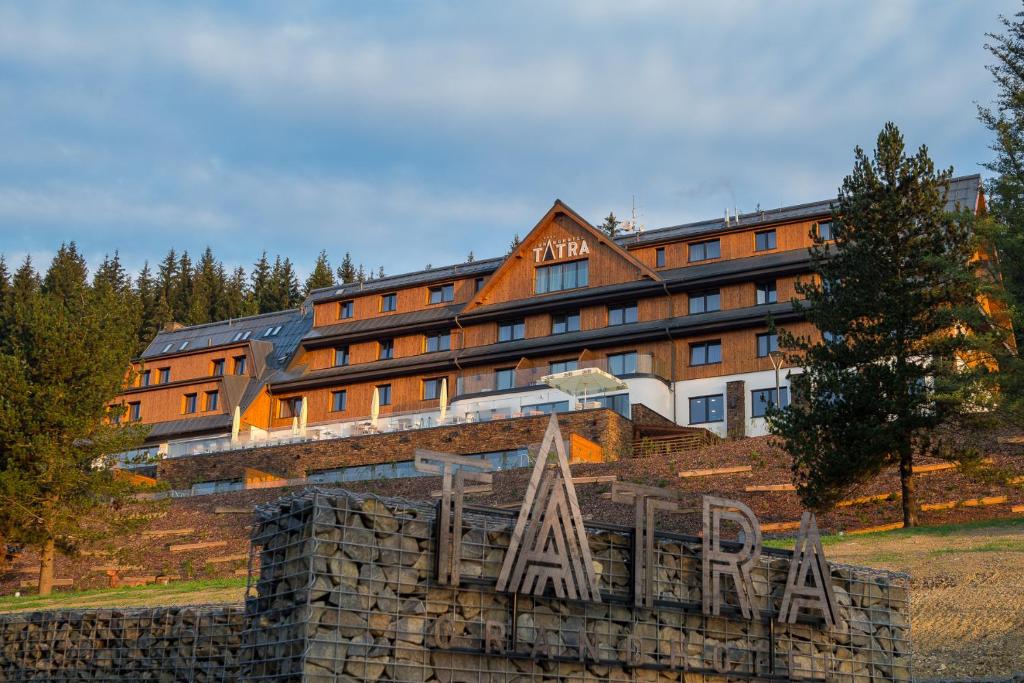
x=183 y=593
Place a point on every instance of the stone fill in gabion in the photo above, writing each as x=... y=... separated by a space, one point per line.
x=347 y=593
x=165 y=644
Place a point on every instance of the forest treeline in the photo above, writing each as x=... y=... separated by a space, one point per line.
x=189 y=291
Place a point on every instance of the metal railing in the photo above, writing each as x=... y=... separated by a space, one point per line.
x=518 y=378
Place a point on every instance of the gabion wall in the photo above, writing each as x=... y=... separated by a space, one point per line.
x=165 y=644
x=346 y=593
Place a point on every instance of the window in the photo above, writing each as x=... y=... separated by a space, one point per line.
x=432 y=388
x=659 y=257
x=622 y=314
x=561 y=276
x=505 y=378
x=165 y=375
x=184 y=344
x=767 y=343
x=189 y=404
x=437 y=341
x=388 y=302
x=289 y=407
x=510 y=330
x=760 y=399
x=704 y=409
x=384 y=392
x=340 y=356
x=763 y=241
x=242 y=336
x=618 y=402
x=239 y=364
x=766 y=293
x=339 y=400
x=144 y=378
x=217 y=367
x=706 y=353
x=168 y=347
x=442 y=293
x=705 y=302
x=135 y=411
x=702 y=251
x=562 y=366
x=565 y=322
x=386 y=349
x=478 y=284
x=548 y=408
x=212 y=399
x=622 y=363
x=345 y=309
x=272 y=331
x=825 y=230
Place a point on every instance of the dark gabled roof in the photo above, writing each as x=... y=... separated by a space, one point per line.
x=420 y=277
x=294 y=324
x=963 y=191
x=190 y=426
x=392 y=323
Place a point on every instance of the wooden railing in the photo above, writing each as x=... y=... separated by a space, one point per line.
x=691 y=439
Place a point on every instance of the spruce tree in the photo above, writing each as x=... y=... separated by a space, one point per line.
x=611 y=225
x=514 y=244
x=237 y=297
x=347 y=270
x=184 y=289
x=321 y=275
x=62 y=360
x=148 y=293
x=895 y=296
x=261 y=285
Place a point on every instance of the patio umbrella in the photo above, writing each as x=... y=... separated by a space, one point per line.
x=584 y=381
x=375 y=407
x=236 y=424
x=444 y=400
x=303 y=415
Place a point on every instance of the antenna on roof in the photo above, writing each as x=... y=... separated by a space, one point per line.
x=634 y=225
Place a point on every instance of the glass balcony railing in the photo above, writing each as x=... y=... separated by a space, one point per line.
x=620 y=365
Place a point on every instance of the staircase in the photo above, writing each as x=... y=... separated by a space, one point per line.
x=680 y=440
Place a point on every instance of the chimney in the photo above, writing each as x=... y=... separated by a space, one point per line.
x=173 y=326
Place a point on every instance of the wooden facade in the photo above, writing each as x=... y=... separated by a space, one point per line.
x=529 y=286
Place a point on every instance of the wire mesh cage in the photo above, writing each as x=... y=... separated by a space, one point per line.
x=167 y=644
x=347 y=589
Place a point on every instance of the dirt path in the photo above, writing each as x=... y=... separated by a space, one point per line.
x=967 y=596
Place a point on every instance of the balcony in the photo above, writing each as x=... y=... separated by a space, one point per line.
x=468 y=384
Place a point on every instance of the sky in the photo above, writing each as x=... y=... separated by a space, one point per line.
x=413 y=133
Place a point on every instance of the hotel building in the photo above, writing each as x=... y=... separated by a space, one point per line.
x=678 y=316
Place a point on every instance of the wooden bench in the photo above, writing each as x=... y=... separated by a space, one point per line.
x=767 y=488
x=716 y=471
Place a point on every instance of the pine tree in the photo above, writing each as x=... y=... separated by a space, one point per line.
x=261 y=289
x=113 y=273
x=66 y=277
x=5 y=291
x=611 y=225
x=237 y=297
x=321 y=276
x=514 y=244
x=347 y=271
x=148 y=293
x=184 y=289
x=1005 y=119
x=380 y=272
x=895 y=298
x=361 y=274
x=62 y=360
x=470 y=257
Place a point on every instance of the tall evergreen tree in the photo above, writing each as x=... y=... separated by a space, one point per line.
x=611 y=225
x=148 y=293
x=895 y=298
x=62 y=361
x=66 y=277
x=184 y=289
x=261 y=285
x=347 y=270
x=237 y=297
x=514 y=244
x=321 y=275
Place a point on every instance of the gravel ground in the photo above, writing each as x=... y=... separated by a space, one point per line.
x=967 y=596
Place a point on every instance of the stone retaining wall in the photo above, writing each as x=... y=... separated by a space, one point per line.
x=604 y=427
x=350 y=578
x=165 y=644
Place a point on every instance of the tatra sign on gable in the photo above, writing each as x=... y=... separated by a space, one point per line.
x=553 y=249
